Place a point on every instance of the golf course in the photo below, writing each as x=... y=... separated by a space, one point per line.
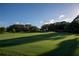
x=39 y=44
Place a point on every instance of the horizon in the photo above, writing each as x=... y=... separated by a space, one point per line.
x=37 y=13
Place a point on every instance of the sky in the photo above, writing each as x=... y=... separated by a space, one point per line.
x=37 y=14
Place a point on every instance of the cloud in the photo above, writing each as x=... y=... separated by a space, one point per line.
x=76 y=12
x=20 y=23
x=59 y=19
x=46 y=22
x=52 y=21
x=17 y=22
x=61 y=16
x=41 y=22
x=67 y=19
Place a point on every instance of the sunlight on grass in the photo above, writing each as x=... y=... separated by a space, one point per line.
x=37 y=47
x=17 y=35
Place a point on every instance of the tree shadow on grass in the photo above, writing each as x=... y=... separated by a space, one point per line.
x=30 y=39
x=65 y=48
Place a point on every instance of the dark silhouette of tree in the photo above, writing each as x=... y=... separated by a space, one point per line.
x=2 y=29
x=60 y=26
x=28 y=27
x=22 y=28
x=16 y=28
x=57 y=27
x=45 y=27
x=74 y=25
x=63 y=26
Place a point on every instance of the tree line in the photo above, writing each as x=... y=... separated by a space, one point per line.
x=63 y=26
x=19 y=28
x=57 y=27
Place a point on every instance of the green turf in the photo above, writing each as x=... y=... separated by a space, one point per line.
x=43 y=44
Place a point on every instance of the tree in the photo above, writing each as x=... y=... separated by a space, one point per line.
x=30 y=28
x=16 y=28
x=22 y=28
x=74 y=25
x=45 y=27
x=58 y=26
x=2 y=29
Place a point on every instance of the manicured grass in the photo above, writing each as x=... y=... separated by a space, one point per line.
x=43 y=44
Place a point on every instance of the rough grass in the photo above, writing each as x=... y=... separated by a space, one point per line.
x=43 y=44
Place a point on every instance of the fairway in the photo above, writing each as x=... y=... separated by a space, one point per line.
x=39 y=44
